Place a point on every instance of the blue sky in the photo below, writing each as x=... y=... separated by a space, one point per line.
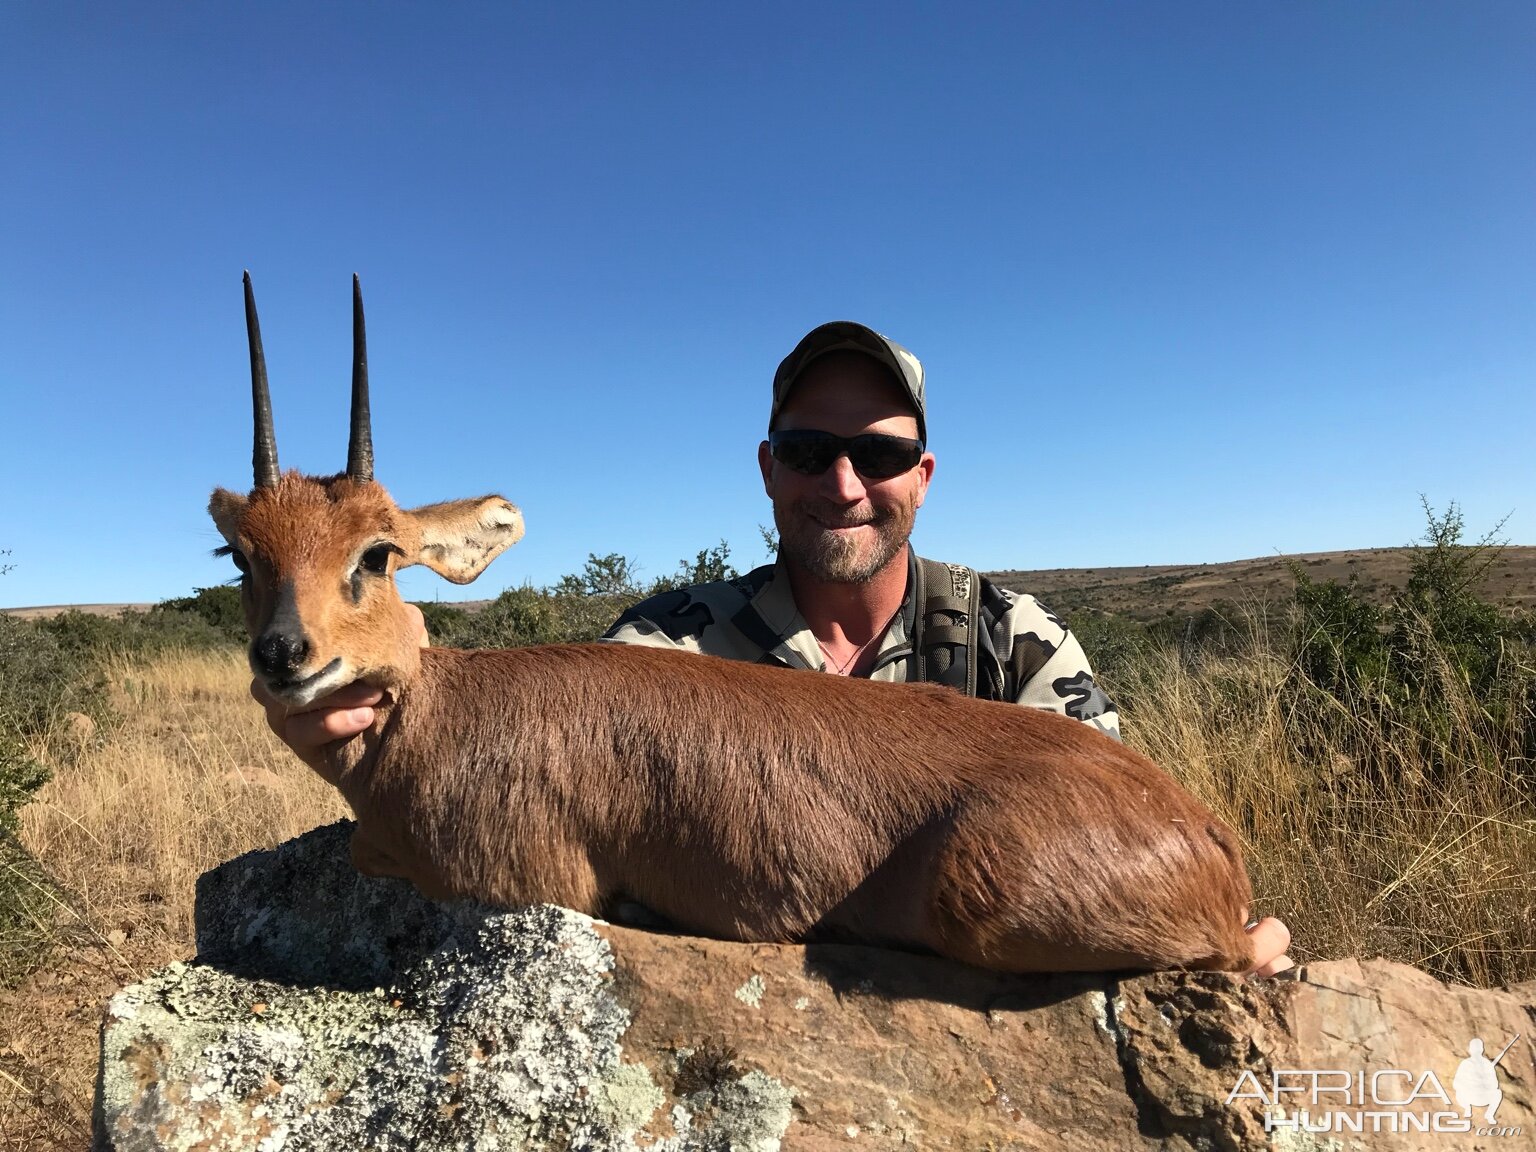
x=1191 y=282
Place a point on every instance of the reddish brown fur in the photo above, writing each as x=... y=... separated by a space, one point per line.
x=747 y=802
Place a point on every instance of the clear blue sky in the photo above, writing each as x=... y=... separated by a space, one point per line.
x=1191 y=282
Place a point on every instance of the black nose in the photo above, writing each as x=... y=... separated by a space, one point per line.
x=279 y=653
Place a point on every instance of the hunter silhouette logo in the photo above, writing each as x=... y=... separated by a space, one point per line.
x=1383 y=1099
x=1477 y=1080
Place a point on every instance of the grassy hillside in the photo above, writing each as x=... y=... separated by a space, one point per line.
x=1153 y=591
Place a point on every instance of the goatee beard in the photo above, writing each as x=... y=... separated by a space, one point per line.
x=835 y=558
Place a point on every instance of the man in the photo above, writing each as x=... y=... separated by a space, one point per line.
x=846 y=466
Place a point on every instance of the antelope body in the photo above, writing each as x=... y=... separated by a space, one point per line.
x=739 y=801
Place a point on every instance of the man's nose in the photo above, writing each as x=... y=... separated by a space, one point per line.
x=842 y=481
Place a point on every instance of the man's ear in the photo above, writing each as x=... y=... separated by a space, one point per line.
x=765 y=466
x=227 y=508
x=925 y=468
x=460 y=537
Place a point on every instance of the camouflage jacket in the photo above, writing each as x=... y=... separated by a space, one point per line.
x=1022 y=645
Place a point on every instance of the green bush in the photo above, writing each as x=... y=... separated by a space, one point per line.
x=528 y=615
x=1339 y=642
x=219 y=606
x=517 y=617
x=1221 y=628
x=1439 y=619
x=578 y=607
x=27 y=902
x=709 y=565
x=140 y=634
x=610 y=575
x=1438 y=666
x=442 y=619
x=40 y=681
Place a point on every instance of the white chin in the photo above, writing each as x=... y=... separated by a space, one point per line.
x=297 y=693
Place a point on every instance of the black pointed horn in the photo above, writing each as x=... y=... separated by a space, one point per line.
x=264 y=453
x=360 y=445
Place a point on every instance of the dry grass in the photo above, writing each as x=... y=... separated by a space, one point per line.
x=189 y=778
x=1435 y=868
x=1351 y=837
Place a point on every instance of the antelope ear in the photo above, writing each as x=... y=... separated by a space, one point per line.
x=460 y=537
x=227 y=508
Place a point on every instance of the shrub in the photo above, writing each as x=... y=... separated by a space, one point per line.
x=1439 y=668
x=610 y=575
x=40 y=681
x=143 y=634
x=517 y=617
x=1438 y=619
x=528 y=615
x=709 y=565
x=219 y=606
x=578 y=607
x=1339 y=642
x=1219 y=628
x=443 y=620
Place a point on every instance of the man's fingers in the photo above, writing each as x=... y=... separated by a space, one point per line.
x=1270 y=940
x=344 y=713
x=312 y=729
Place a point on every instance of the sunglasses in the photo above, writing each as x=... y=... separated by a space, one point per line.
x=873 y=455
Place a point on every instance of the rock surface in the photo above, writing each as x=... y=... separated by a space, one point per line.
x=329 y=1011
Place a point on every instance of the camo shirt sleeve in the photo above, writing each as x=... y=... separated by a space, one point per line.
x=670 y=620
x=1044 y=660
x=701 y=618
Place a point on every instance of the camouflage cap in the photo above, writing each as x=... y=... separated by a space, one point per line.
x=841 y=335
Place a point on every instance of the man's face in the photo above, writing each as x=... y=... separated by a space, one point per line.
x=842 y=527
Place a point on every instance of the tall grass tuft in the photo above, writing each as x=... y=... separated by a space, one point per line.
x=1354 y=839
x=190 y=776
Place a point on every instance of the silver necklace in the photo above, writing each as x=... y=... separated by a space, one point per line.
x=842 y=669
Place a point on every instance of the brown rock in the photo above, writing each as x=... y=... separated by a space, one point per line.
x=917 y=1052
x=903 y=1050
x=80 y=726
x=390 y=1020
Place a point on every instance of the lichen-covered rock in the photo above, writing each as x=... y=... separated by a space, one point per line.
x=331 y=1011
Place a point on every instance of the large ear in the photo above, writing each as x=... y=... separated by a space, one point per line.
x=227 y=508
x=460 y=537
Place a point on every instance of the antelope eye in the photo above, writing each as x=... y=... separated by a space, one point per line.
x=376 y=559
x=240 y=562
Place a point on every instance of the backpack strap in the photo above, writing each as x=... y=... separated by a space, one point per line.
x=946 y=634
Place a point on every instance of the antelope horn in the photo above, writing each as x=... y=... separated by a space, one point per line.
x=264 y=453
x=360 y=446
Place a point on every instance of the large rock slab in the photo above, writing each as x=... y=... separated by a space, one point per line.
x=326 y=1010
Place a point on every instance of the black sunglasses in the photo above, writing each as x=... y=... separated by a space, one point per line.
x=873 y=455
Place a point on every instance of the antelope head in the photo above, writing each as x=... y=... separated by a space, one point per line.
x=317 y=555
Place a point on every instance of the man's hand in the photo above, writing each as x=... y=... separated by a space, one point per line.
x=339 y=716
x=1270 y=940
